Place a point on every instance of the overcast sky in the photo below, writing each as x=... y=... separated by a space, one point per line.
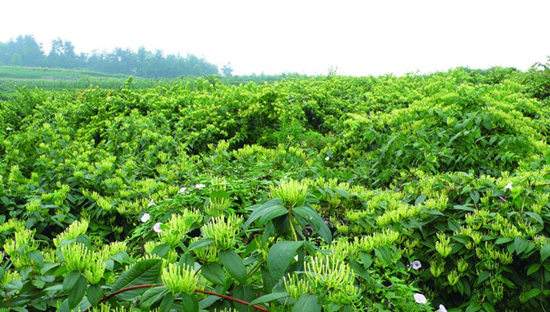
x=274 y=36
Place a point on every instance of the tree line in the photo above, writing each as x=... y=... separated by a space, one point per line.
x=26 y=51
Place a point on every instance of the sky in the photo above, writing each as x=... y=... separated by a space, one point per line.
x=311 y=37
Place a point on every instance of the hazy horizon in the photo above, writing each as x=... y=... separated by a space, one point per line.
x=309 y=37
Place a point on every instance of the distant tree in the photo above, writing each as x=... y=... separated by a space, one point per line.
x=227 y=70
x=55 y=57
x=25 y=51
x=16 y=59
x=3 y=53
x=70 y=56
x=62 y=54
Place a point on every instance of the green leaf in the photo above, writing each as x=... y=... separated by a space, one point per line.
x=528 y=295
x=474 y=196
x=384 y=255
x=53 y=289
x=246 y=293
x=152 y=296
x=214 y=273
x=280 y=256
x=544 y=251
x=208 y=301
x=535 y=216
x=533 y=268
x=519 y=245
x=507 y=282
x=189 y=304
x=307 y=303
x=503 y=240
x=464 y=208
x=47 y=267
x=260 y=210
x=473 y=307
x=268 y=281
x=366 y=259
x=41 y=305
x=77 y=292
x=359 y=270
x=488 y=307
x=200 y=243
x=38 y=283
x=487 y=123
x=70 y=280
x=161 y=250
x=272 y=213
x=166 y=303
x=310 y=216
x=419 y=200
x=94 y=294
x=270 y=297
x=234 y=265
x=36 y=257
x=143 y=272
x=64 y=306
x=186 y=260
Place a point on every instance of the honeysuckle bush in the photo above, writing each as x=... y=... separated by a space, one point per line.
x=413 y=193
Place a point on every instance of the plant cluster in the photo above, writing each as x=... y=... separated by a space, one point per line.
x=417 y=193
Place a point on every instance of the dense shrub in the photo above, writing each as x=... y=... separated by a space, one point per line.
x=333 y=193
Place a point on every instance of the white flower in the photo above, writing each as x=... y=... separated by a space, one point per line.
x=200 y=186
x=508 y=187
x=416 y=265
x=157 y=228
x=327 y=158
x=151 y=203
x=420 y=298
x=145 y=217
x=182 y=190
x=441 y=308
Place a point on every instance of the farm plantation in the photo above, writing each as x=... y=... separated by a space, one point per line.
x=413 y=193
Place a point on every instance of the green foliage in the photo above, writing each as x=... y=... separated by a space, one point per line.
x=312 y=194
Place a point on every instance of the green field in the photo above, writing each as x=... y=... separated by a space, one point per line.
x=13 y=77
x=413 y=193
x=18 y=72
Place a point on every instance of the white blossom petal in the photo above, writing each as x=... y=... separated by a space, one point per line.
x=145 y=217
x=157 y=228
x=420 y=298
x=416 y=265
x=441 y=308
x=182 y=190
x=508 y=187
x=200 y=186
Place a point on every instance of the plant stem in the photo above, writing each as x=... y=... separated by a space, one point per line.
x=292 y=229
x=207 y=292
x=107 y=297
x=198 y=291
x=255 y=268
